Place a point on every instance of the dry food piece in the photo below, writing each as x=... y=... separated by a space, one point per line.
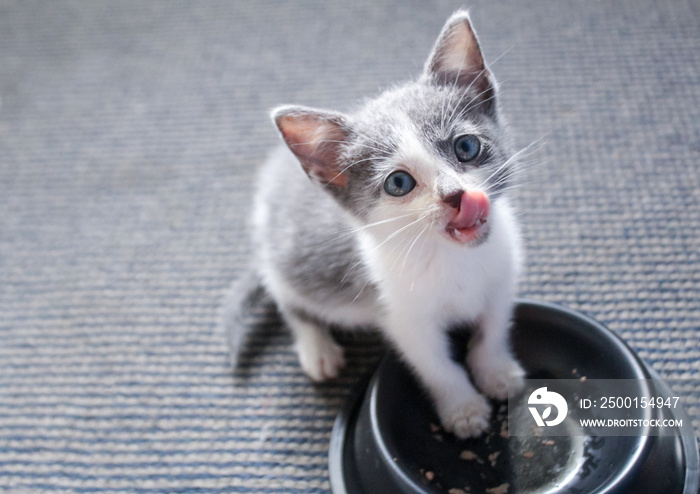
x=456 y=491
x=500 y=489
x=429 y=475
x=504 y=429
x=492 y=458
x=528 y=454
x=548 y=442
x=583 y=378
x=468 y=455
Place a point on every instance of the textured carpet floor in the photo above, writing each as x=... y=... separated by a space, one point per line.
x=129 y=135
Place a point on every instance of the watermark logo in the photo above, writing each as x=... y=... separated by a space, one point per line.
x=541 y=396
x=600 y=407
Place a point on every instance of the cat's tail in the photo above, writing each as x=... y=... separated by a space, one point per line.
x=235 y=320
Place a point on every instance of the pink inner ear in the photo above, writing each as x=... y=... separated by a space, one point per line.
x=299 y=132
x=461 y=52
x=316 y=142
x=457 y=58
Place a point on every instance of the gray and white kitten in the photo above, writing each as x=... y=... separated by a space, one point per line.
x=397 y=218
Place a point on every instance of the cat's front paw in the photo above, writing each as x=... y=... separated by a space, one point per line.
x=322 y=359
x=467 y=419
x=499 y=377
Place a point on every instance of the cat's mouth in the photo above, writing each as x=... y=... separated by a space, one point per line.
x=468 y=234
x=469 y=218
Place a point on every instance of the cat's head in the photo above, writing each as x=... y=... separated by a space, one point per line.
x=428 y=158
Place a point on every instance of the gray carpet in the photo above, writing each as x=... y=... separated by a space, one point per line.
x=129 y=136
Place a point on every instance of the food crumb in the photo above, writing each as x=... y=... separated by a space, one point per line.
x=528 y=454
x=574 y=371
x=493 y=457
x=504 y=429
x=500 y=489
x=429 y=475
x=468 y=455
x=456 y=491
x=548 y=442
x=583 y=378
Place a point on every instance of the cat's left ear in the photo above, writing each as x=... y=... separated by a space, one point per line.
x=456 y=59
x=316 y=137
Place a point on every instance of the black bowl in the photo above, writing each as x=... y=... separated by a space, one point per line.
x=387 y=438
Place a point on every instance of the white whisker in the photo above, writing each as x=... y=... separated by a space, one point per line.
x=364 y=227
x=393 y=235
x=408 y=253
x=464 y=92
x=471 y=105
x=397 y=232
x=513 y=171
x=360 y=292
x=346 y=168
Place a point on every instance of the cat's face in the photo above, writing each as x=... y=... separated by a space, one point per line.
x=423 y=161
x=430 y=159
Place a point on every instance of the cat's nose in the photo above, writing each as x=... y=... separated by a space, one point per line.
x=454 y=200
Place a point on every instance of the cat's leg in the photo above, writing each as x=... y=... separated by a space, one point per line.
x=494 y=369
x=320 y=356
x=462 y=410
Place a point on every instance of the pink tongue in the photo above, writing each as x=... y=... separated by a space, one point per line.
x=474 y=207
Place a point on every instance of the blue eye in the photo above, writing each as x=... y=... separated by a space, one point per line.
x=399 y=184
x=467 y=148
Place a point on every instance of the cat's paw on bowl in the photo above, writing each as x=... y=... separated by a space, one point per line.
x=499 y=377
x=468 y=418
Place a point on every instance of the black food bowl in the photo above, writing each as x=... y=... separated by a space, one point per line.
x=387 y=438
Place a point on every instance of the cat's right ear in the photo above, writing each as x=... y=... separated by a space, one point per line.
x=457 y=60
x=315 y=137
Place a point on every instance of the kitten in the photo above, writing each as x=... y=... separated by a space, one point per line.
x=397 y=218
